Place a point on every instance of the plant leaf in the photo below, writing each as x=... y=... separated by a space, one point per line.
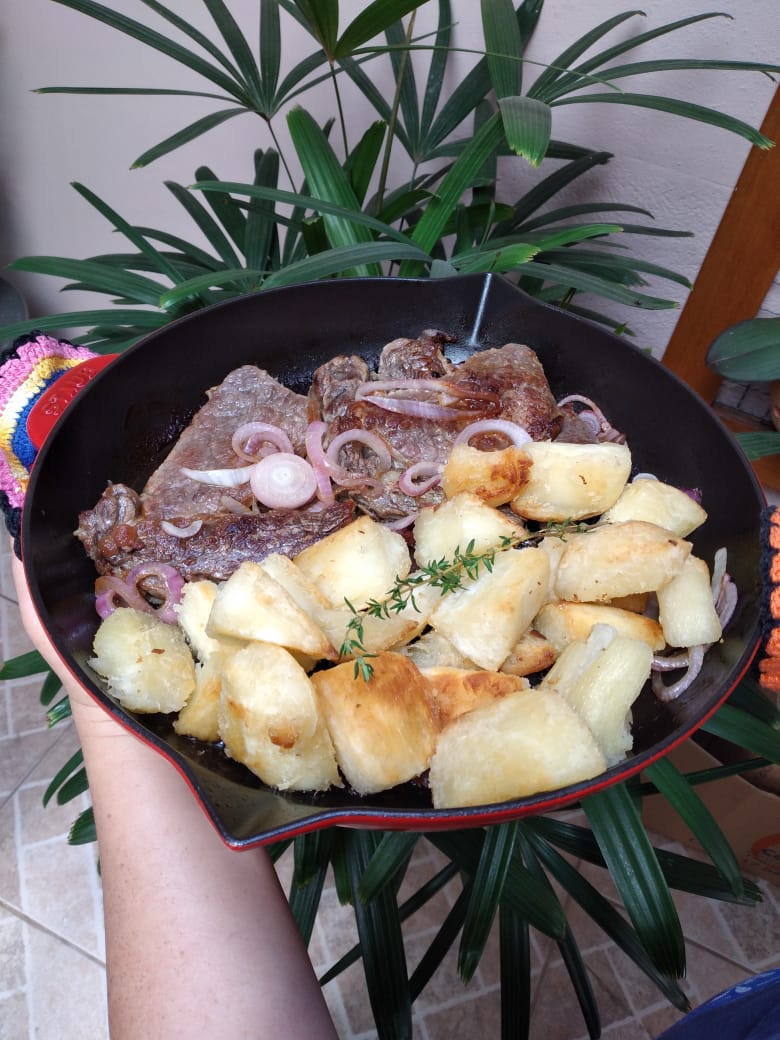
x=527 y=125
x=261 y=235
x=759 y=445
x=226 y=210
x=439 y=210
x=585 y=282
x=441 y=943
x=103 y=278
x=205 y=222
x=84 y=319
x=372 y=20
x=361 y=164
x=437 y=67
x=522 y=891
x=240 y=49
x=157 y=41
x=749 y=697
x=379 y=930
x=327 y=180
x=187 y=134
x=675 y=107
x=270 y=50
x=748 y=351
x=697 y=817
x=391 y=855
x=74 y=763
x=341 y=260
x=486 y=891
x=52 y=685
x=500 y=258
x=321 y=19
x=503 y=46
x=740 y=728
x=570 y=953
x=623 y=840
x=59 y=712
x=605 y=916
x=30 y=663
x=548 y=188
x=515 y=967
x=83 y=831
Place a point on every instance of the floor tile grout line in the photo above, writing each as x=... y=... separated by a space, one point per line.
x=23 y=916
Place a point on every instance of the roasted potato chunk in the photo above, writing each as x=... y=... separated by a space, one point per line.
x=454 y=691
x=383 y=728
x=193 y=612
x=269 y=719
x=486 y=618
x=146 y=663
x=495 y=477
x=561 y=623
x=521 y=744
x=618 y=559
x=251 y=605
x=601 y=678
x=360 y=562
x=571 y=481
x=658 y=503
x=199 y=716
x=462 y=521
x=685 y=607
x=433 y=650
x=532 y=653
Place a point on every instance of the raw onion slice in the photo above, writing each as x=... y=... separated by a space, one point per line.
x=249 y=437
x=392 y=396
x=315 y=453
x=112 y=592
x=283 y=481
x=181 y=532
x=669 y=693
x=419 y=478
x=370 y=440
x=514 y=432
x=172 y=587
x=221 y=477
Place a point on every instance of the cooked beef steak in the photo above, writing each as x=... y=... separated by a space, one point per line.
x=507 y=382
x=216 y=550
x=247 y=394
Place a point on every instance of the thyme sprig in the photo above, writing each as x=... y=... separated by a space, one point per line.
x=445 y=575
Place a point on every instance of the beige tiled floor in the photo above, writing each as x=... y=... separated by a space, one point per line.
x=52 y=970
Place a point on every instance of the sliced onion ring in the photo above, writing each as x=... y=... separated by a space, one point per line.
x=221 y=477
x=283 y=481
x=319 y=463
x=181 y=532
x=419 y=478
x=511 y=430
x=252 y=434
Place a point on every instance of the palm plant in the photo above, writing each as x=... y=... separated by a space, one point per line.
x=346 y=210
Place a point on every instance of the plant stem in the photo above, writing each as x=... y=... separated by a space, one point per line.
x=342 y=120
x=380 y=192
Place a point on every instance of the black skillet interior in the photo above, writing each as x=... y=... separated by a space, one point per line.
x=121 y=426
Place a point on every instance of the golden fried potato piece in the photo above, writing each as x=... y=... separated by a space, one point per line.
x=199 y=716
x=618 y=559
x=561 y=623
x=601 y=678
x=269 y=719
x=193 y=612
x=454 y=691
x=526 y=742
x=495 y=477
x=457 y=523
x=487 y=617
x=359 y=562
x=146 y=663
x=531 y=653
x=571 y=481
x=382 y=728
x=433 y=650
x=685 y=607
x=251 y=605
x=658 y=503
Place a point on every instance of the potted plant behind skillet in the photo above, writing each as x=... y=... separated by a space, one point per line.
x=345 y=219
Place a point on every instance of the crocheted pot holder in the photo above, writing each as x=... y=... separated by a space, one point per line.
x=27 y=369
x=35 y=363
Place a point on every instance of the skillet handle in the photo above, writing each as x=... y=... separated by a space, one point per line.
x=53 y=401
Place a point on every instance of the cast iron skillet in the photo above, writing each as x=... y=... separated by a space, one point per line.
x=122 y=424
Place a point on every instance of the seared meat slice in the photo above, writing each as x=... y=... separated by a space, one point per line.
x=421 y=358
x=247 y=394
x=334 y=385
x=507 y=383
x=216 y=550
x=515 y=373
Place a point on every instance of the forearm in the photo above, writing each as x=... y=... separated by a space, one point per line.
x=221 y=952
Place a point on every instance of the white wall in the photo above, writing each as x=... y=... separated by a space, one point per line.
x=684 y=173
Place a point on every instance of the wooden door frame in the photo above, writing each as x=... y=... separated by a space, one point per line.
x=737 y=273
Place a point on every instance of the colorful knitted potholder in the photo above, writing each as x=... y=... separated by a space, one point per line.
x=769 y=665
x=27 y=369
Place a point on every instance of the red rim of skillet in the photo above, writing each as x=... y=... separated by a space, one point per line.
x=120 y=425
